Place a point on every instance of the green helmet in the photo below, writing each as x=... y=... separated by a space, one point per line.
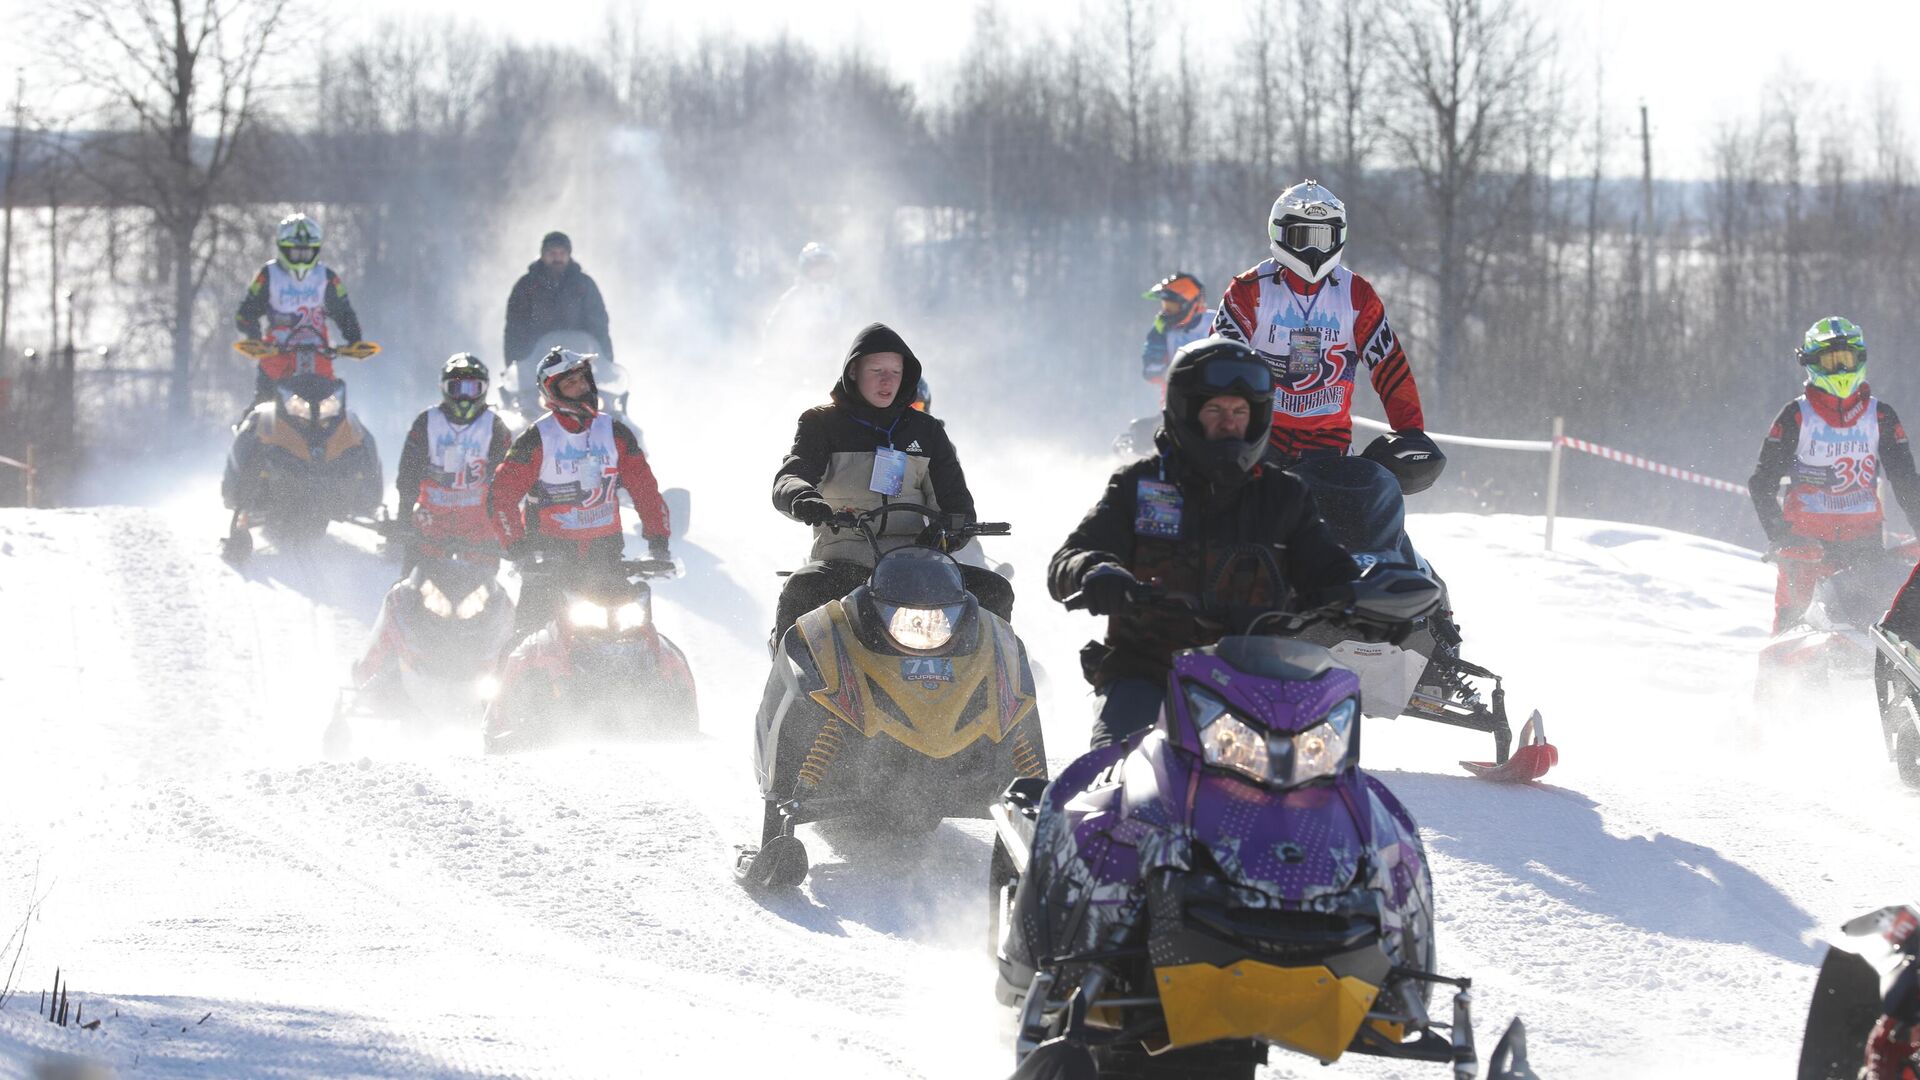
x=463 y=386
x=1834 y=352
x=298 y=239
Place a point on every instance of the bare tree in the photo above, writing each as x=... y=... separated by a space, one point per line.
x=182 y=82
x=1466 y=96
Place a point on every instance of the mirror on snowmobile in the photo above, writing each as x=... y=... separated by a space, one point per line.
x=1057 y=1059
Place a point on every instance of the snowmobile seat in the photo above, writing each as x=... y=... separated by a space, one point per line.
x=1361 y=502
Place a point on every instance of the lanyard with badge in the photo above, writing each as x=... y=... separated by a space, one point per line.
x=889 y=475
x=1157 y=507
x=1305 y=347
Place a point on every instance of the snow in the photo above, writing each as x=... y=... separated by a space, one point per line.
x=1655 y=909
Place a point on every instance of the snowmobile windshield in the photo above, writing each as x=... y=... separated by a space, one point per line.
x=920 y=597
x=1360 y=500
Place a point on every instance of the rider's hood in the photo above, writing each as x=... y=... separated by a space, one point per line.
x=877 y=337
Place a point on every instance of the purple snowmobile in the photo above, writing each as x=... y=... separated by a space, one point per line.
x=1230 y=880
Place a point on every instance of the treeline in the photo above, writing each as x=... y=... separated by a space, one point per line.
x=1013 y=213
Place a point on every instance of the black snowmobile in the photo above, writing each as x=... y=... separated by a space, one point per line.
x=1363 y=499
x=298 y=462
x=1859 y=986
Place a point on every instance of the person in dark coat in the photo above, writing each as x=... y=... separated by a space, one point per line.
x=1202 y=519
x=554 y=294
x=831 y=467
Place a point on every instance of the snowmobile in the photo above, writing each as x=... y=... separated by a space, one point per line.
x=599 y=668
x=298 y=462
x=1832 y=641
x=1896 y=685
x=1857 y=987
x=899 y=705
x=1229 y=880
x=1419 y=675
x=436 y=645
x=1137 y=440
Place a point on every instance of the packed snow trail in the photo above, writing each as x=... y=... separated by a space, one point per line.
x=424 y=910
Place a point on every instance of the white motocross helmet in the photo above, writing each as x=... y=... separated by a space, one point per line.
x=298 y=242
x=1307 y=230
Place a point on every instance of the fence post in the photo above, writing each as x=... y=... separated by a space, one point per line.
x=31 y=464
x=1553 y=476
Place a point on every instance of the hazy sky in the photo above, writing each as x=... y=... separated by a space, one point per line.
x=1695 y=63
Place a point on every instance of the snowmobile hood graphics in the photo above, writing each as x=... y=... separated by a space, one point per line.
x=933 y=705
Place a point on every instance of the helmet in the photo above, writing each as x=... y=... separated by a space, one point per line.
x=558 y=364
x=1307 y=228
x=1180 y=287
x=1410 y=456
x=816 y=256
x=1204 y=370
x=463 y=386
x=1834 y=352
x=923 y=396
x=298 y=240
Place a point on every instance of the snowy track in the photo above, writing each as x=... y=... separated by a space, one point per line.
x=423 y=910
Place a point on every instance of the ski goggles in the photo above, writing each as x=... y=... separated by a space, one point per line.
x=1309 y=235
x=300 y=255
x=1838 y=359
x=465 y=389
x=1250 y=376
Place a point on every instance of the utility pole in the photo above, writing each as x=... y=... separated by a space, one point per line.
x=6 y=231
x=1646 y=204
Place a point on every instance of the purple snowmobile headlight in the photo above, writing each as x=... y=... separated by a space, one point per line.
x=1229 y=741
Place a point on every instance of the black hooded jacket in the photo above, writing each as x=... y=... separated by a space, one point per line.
x=542 y=303
x=834 y=449
x=1220 y=554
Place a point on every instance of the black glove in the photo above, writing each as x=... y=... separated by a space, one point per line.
x=1105 y=590
x=657 y=548
x=810 y=509
x=933 y=536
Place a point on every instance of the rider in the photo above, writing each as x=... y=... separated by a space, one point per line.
x=1314 y=322
x=1833 y=442
x=856 y=453
x=1202 y=517
x=569 y=467
x=449 y=460
x=813 y=307
x=295 y=292
x=1184 y=318
x=554 y=294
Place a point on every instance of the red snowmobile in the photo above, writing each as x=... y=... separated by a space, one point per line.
x=600 y=668
x=1831 y=641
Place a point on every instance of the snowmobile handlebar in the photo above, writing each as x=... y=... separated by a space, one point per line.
x=943 y=530
x=1383 y=604
x=256 y=349
x=539 y=562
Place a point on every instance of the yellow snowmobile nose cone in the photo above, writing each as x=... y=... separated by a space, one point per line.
x=1308 y=1009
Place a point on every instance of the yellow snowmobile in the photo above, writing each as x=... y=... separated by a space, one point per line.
x=901 y=704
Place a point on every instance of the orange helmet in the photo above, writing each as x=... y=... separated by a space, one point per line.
x=1180 y=287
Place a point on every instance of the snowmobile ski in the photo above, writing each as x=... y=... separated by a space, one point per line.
x=1528 y=762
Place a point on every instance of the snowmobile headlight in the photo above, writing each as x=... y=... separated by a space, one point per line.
x=920 y=628
x=1321 y=749
x=1228 y=741
x=474 y=604
x=630 y=615
x=434 y=600
x=587 y=615
x=298 y=407
x=486 y=687
x=330 y=406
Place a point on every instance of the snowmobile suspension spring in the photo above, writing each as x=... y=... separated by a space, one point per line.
x=1026 y=760
x=826 y=747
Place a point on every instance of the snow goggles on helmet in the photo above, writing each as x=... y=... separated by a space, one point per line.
x=300 y=255
x=1310 y=235
x=1839 y=358
x=465 y=389
x=1230 y=376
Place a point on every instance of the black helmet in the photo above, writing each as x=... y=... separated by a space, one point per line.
x=1409 y=455
x=463 y=386
x=1204 y=370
